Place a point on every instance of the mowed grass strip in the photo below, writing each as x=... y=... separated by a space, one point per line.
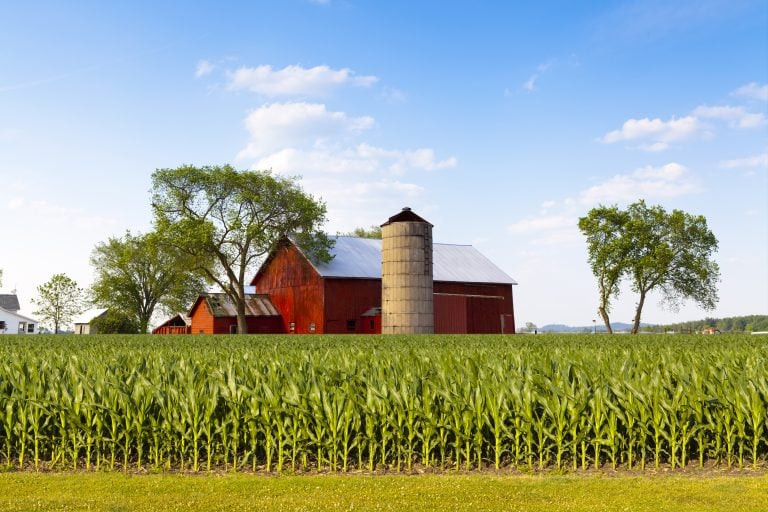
x=478 y=492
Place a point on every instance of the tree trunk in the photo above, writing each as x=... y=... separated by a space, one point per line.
x=604 y=314
x=242 y=324
x=636 y=323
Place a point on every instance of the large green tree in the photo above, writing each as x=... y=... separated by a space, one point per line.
x=672 y=253
x=136 y=274
x=654 y=250
x=607 y=250
x=227 y=221
x=59 y=301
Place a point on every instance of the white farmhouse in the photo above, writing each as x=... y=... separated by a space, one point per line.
x=11 y=322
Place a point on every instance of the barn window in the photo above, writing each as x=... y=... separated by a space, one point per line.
x=233 y=329
x=2 y=325
x=292 y=326
x=351 y=326
x=312 y=327
x=31 y=328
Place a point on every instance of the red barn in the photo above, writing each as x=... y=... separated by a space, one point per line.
x=471 y=294
x=214 y=313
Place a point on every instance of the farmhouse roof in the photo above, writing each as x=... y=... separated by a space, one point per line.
x=360 y=258
x=22 y=317
x=220 y=305
x=9 y=302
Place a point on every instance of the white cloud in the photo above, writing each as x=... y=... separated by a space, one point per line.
x=670 y=180
x=277 y=126
x=360 y=159
x=295 y=80
x=542 y=223
x=750 y=161
x=752 y=90
x=203 y=68
x=736 y=117
x=655 y=135
x=660 y=132
x=530 y=84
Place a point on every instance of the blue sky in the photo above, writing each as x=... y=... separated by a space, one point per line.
x=500 y=122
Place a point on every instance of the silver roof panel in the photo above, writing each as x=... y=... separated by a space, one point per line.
x=360 y=258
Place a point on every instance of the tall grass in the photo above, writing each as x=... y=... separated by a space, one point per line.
x=276 y=403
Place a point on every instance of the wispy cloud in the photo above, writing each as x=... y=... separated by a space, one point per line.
x=659 y=132
x=279 y=125
x=203 y=68
x=557 y=222
x=530 y=84
x=747 y=162
x=736 y=117
x=670 y=180
x=752 y=90
x=295 y=80
x=654 y=135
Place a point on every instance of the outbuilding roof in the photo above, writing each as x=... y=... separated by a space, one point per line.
x=361 y=258
x=220 y=305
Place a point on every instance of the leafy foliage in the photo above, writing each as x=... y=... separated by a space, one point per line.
x=59 y=301
x=115 y=322
x=333 y=403
x=371 y=232
x=227 y=221
x=654 y=250
x=136 y=274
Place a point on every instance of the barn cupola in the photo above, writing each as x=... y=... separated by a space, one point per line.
x=406 y=275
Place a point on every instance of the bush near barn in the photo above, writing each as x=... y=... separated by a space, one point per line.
x=277 y=403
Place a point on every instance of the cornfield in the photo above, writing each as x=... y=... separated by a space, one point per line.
x=274 y=403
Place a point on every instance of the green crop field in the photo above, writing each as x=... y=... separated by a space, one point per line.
x=280 y=404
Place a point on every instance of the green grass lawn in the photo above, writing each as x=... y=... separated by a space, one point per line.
x=480 y=491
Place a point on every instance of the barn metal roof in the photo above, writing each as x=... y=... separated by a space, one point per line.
x=361 y=258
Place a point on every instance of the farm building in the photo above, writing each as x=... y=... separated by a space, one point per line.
x=214 y=313
x=83 y=321
x=11 y=322
x=179 y=323
x=462 y=289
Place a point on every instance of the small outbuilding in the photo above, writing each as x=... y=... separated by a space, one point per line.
x=83 y=321
x=214 y=313
x=179 y=323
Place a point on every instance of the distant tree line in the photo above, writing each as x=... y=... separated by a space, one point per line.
x=733 y=324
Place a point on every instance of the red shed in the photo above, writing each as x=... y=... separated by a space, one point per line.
x=472 y=295
x=214 y=313
x=177 y=324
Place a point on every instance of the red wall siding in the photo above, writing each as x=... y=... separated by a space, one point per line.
x=295 y=288
x=347 y=299
x=202 y=320
x=484 y=305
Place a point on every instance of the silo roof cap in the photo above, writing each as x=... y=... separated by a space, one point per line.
x=405 y=215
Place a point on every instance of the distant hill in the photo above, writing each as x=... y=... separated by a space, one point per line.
x=747 y=323
x=616 y=326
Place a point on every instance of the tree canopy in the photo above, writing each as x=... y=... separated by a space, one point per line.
x=360 y=232
x=653 y=250
x=136 y=274
x=59 y=301
x=227 y=221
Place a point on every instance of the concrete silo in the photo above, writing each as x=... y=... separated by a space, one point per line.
x=406 y=275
